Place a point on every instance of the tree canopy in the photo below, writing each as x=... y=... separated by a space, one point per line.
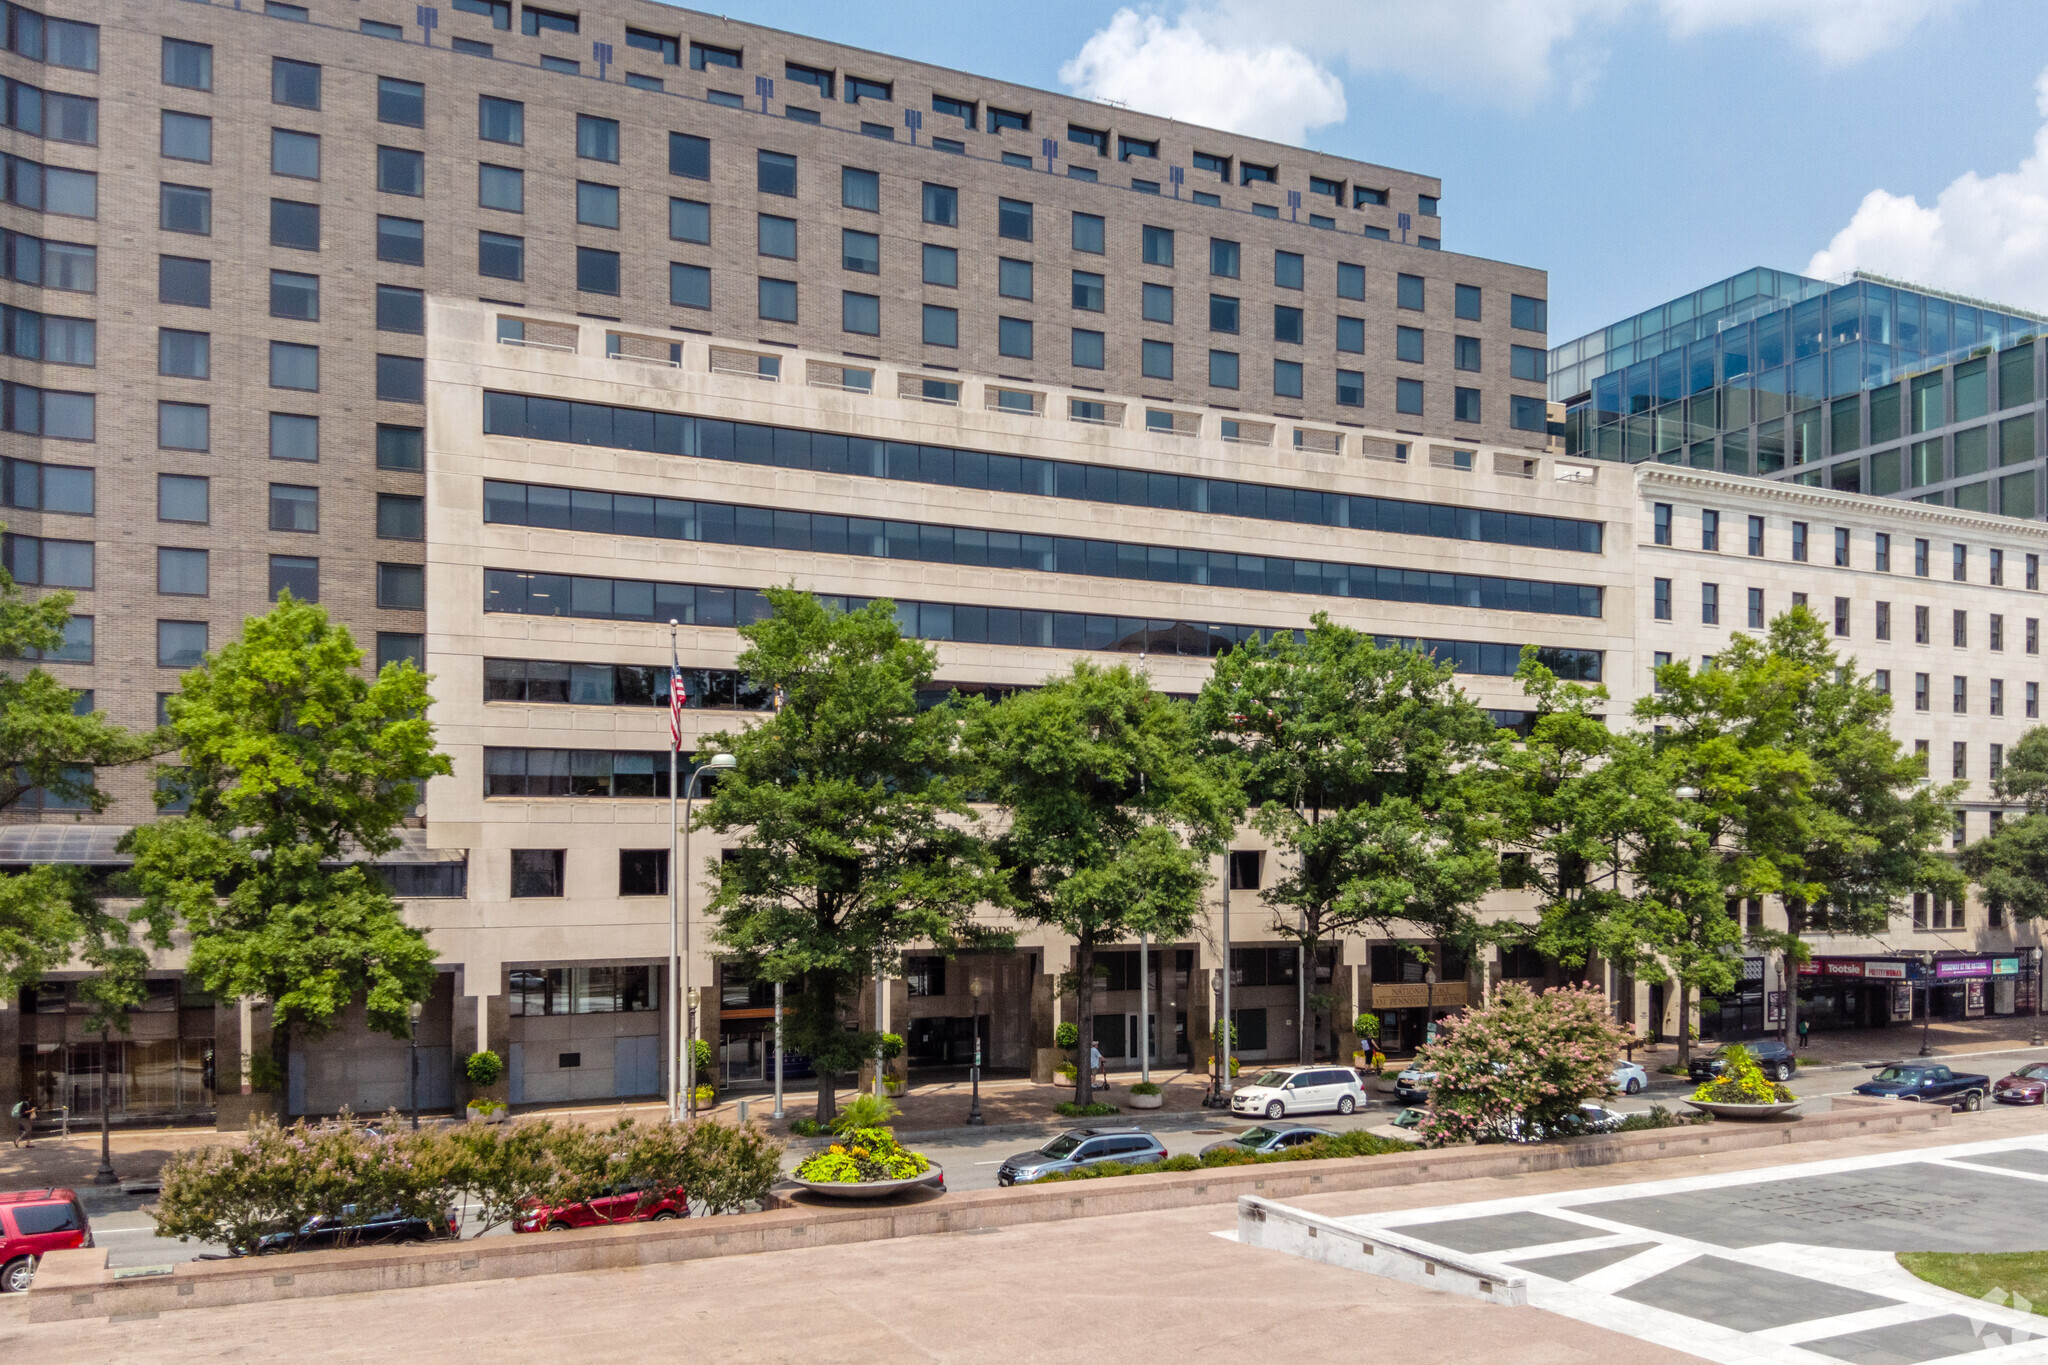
x=848 y=809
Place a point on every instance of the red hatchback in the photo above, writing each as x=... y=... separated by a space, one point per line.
x=621 y=1205
x=34 y=1223
x=2028 y=1085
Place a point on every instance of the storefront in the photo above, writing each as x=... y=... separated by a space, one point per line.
x=1973 y=987
x=161 y=1068
x=1856 y=992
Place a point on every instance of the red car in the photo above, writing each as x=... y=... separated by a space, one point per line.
x=34 y=1223
x=621 y=1205
x=2028 y=1085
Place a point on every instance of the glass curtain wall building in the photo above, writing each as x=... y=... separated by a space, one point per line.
x=1864 y=385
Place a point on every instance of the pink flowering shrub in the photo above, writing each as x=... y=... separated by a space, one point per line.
x=1517 y=1069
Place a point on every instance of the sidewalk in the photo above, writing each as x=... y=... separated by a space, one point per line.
x=1858 y=1046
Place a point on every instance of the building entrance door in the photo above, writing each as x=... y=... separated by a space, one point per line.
x=1131 y=1036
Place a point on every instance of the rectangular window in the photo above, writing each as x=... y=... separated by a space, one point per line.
x=1884 y=620
x=180 y=644
x=861 y=252
x=775 y=236
x=184 y=426
x=941 y=205
x=183 y=208
x=1841 y=616
x=294 y=436
x=500 y=257
x=777 y=299
x=401 y=310
x=186 y=137
x=1465 y=405
x=401 y=379
x=188 y=66
x=1287 y=379
x=689 y=286
x=501 y=120
x=501 y=187
x=1225 y=258
x=1013 y=220
x=184 y=498
x=1013 y=337
x=597 y=139
x=597 y=205
x=1920 y=691
x=1841 y=547
x=2033 y=701
x=1997 y=702
x=860 y=313
x=775 y=173
x=1756 y=608
x=1756 y=536
x=1710 y=530
x=1660 y=518
x=1465 y=353
x=1408 y=396
x=1959 y=765
x=643 y=872
x=1527 y=314
x=1088 y=233
x=941 y=326
x=859 y=189
x=294 y=507
x=1959 y=563
x=298 y=575
x=294 y=154
x=537 y=872
x=1661 y=599
x=689 y=220
x=1350 y=388
x=1287 y=269
x=941 y=266
x=1158 y=303
x=294 y=84
x=180 y=573
x=1408 y=293
x=689 y=156
x=1710 y=604
x=402 y=587
x=1157 y=246
x=1157 y=360
x=1881 y=681
x=1408 y=344
x=400 y=447
x=1466 y=303
x=1087 y=350
x=1287 y=324
x=1920 y=558
x=295 y=225
x=1961 y=694
x=1088 y=291
x=295 y=296
x=1223 y=369
x=184 y=355
x=1959 y=629
x=1997 y=633
x=1014 y=279
x=401 y=517
x=402 y=241
x=1923 y=632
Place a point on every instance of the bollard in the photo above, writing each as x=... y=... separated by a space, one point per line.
x=743 y=1112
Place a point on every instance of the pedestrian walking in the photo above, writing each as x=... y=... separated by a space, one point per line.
x=25 y=1123
x=1095 y=1067
x=1805 y=1032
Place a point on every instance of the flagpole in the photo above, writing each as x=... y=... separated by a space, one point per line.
x=675 y=992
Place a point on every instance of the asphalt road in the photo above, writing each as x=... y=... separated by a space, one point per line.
x=970 y=1161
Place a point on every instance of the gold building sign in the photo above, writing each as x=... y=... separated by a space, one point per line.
x=1416 y=995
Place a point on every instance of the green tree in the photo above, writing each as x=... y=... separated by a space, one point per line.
x=1110 y=814
x=46 y=745
x=299 y=768
x=854 y=836
x=1803 y=793
x=2010 y=865
x=1364 y=763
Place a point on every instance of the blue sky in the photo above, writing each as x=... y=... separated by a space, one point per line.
x=1633 y=148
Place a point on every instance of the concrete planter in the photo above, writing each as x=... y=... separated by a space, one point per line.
x=871 y=1189
x=1147 y=1101
x=476 y=1115
x=1744 y=1111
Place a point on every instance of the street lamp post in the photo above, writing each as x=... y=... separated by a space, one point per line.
x=1927 y=997
x=682 y=1052
x=105 y=1174
x=778 y=1049
x=974 y=1118
x=1429 y=1007
x=412 y=1038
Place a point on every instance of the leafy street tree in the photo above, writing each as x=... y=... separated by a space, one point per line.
x=2011 y=864
x=853 y=833
x=299 y=769
x=46 y=912
x=1517 y=1068
x=1111 y=814
x=1364 y=763
x=1802 y=792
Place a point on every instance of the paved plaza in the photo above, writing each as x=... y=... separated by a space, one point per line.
x=1792 y=1264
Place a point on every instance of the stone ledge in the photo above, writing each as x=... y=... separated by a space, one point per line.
x=77 y=1284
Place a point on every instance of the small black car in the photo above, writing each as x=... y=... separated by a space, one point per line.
x=1772 y=1057
x=324 y=1232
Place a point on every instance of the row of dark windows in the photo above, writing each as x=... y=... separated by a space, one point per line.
x=1662 y=526
x=526 y=594
x=516 y=504
x=596 y=424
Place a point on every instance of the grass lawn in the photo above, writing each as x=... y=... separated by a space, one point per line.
x=1976 y=1274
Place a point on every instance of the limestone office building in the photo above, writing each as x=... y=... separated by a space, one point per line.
x=512 y=338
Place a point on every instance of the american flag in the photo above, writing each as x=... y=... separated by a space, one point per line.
x=675 y=700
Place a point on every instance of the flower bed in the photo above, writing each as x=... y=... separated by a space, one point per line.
x=864 y=1156
x=1742 y=1081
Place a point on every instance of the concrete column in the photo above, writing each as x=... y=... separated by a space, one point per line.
x=245 y=1015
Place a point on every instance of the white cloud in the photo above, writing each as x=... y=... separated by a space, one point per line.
x=1272 y=91
x=1984 y=234
x=1204 y=68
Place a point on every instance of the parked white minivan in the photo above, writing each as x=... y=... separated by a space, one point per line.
x=1300 y=1090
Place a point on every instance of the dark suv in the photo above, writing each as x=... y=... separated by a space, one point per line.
x=1773 y=1058
x=34 y=1223
x=1081 y=1147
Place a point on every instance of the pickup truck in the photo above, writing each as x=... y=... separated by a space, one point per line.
x=1928 y=1083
